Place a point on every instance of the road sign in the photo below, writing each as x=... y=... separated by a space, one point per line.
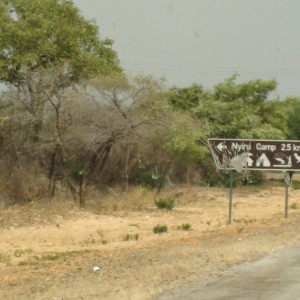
x=255 y=154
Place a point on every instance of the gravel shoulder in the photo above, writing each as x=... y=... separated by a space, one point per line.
x=274 y=277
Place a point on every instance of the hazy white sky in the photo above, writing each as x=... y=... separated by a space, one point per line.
x=204 y=41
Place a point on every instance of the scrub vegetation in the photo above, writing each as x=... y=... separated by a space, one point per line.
x=72 y=122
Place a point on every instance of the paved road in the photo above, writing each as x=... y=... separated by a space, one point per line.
x=275 y=277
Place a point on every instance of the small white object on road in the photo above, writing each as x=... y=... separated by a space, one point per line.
x=96 y=269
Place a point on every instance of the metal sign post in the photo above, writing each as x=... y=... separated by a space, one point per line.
x=287 y=180
x=286 y=199
x=230 y=197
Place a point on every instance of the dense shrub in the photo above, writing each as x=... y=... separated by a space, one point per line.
x=160 y=228
x=165 y=203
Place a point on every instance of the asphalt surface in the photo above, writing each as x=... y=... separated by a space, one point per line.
x=275 y=277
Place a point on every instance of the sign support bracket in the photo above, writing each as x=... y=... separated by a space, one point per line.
x=287 y=180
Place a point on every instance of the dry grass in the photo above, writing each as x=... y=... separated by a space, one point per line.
x=5 y=258
x=115 y=200
x=58 y=243
x=36 y=212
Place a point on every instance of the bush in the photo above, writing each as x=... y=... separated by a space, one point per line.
x=148 y=179
x=294 y=206
x=295 y=185
x=221 y=179
x=160 y=228
x=165 y=203
x=185 y=227
x=131 y=237
x=254 y=178
x=25 y=183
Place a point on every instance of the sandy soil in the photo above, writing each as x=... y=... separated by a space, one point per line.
x=48 y=251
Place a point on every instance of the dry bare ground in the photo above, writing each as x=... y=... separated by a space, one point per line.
x=49 y=250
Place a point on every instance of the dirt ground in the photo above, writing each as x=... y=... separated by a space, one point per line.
x=49 y=250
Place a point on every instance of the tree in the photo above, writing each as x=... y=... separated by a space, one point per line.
x=48 y=49
x=230 y=110
x=126 y=112
x=243 y=110
x=292 y=107
x=38 y=36
x=185 y=98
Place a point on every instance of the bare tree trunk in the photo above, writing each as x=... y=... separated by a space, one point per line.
x=52 y=181
x=81 y=198
x=126 y=168
x=188 y=175
x=101 y=155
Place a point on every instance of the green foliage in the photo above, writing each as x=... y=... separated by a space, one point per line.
x=243 y=110
x=20 y=252
x=131 y=237
x=5 y=258
x=294 y=206
x=151 y=180
x=230 y=110
x=185 y=98
x=295 y=185
x=239 y=230
x=253 y=178
x=165 y=203
x=292 y=108
x=45 y=34
x=183 y=143
x=185 y=227
x=92 y=240
x=54 y=256
x=222 y=179
x=160 y=228
x=252 y=92
x=76 y=168
x=225 y=179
